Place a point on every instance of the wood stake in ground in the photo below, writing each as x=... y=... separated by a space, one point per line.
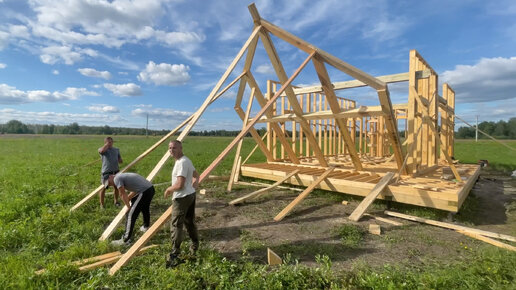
x=273 y=258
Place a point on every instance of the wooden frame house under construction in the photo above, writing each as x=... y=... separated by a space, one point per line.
x=317 y=139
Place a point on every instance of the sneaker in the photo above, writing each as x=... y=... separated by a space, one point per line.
x=121 y=242
x=143 y=229
x=172 y=261
x=193 y=249
x=117 y=204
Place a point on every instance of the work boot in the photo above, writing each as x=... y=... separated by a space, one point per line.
x=172 y=261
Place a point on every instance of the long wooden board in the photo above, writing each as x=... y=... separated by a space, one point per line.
x=368 y=200
x=489 y=240
x=302 y=195
x=263 y=190
x=451 y=226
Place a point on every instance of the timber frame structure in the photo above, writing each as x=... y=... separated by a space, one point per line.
x=319 y=140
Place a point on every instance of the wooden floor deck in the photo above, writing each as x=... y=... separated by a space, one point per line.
x=427 y=190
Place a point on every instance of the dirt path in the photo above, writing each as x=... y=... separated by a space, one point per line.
x=313 y=226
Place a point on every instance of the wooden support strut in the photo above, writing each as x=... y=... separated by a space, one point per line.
x=167 y=214
x=303 y=195
x=324 y=78
x=368 y=200
x=263 y=190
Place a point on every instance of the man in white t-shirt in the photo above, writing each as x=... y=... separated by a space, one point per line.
x=185 y=181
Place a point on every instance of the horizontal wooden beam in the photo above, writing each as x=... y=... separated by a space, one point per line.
x=394 y=78
x=362 y=111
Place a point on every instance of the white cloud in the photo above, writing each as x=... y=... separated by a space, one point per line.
x=4 y=39
x=20 y=31
x=2 y=65
x=165 y=74
x=265 y=69
x=124 y=90
x=55 y=54
x=11 y=95
x=103 y=109
x=90 y=72
x=56 y=72
x=56 y=118
x=488 y=80
x=160 y=113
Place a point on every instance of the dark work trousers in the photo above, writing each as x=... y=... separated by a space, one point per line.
x=183 y=213
x=139 y=203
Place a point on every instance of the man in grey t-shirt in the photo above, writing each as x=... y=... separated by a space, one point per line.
x=142 y=192
x=110 y=159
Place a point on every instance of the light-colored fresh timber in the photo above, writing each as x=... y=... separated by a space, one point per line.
x=434 y=130
x=275 y=127
x=261 y=184
x=309 y=48
x=214 y=91
x=451 y=226
x=234 y=169
x=302 y=195
x=110 y=260
x=324 y=78
x=384 y=220
x=273 y=258
x=392 y=129
x=87 y=260
x=280 y=72
x=368 y=200
x=488 y=240
x=256 y=137
x=375 y=229
x=255 y=147
x=263 y=190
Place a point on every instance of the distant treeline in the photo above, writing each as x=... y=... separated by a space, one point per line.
x=17 y=127
x=499 y=130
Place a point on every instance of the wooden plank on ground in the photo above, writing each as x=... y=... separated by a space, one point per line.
x=273 y=258
x=302 y=195
x=263 y=190
x=110 y=260
x=489 y=241
x=451 y=226
x=387 y=221
x=368 y=200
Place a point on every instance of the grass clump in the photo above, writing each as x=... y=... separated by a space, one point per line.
x=350 y=235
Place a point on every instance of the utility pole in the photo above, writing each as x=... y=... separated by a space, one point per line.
x=476 y=131
x=147 y=126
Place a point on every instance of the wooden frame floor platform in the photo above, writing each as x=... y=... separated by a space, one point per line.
x=426 y=190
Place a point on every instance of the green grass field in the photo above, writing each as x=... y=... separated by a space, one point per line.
x=42 y=177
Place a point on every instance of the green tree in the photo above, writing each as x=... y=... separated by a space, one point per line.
x=16 y=127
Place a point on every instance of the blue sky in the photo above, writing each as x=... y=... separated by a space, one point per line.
x=99 y=62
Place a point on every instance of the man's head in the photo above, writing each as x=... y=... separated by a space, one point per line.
x=109 y=180
x=108 y=140
x=176 y=149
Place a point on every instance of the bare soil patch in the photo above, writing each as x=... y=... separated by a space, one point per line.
x=312 y=228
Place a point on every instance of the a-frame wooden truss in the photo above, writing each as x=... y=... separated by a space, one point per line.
x=341 y=117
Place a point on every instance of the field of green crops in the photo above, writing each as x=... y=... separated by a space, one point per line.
x=42 y=177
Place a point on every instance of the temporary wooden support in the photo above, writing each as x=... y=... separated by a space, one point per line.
x=488 y=240
x=324 y=78
x=368 y=200
x=165 y=216
x=263 y=190
x=303 y=195
x=451 y=226
x=110 y=260
x=239 y=146
x=273 y=258
x=387 y=221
